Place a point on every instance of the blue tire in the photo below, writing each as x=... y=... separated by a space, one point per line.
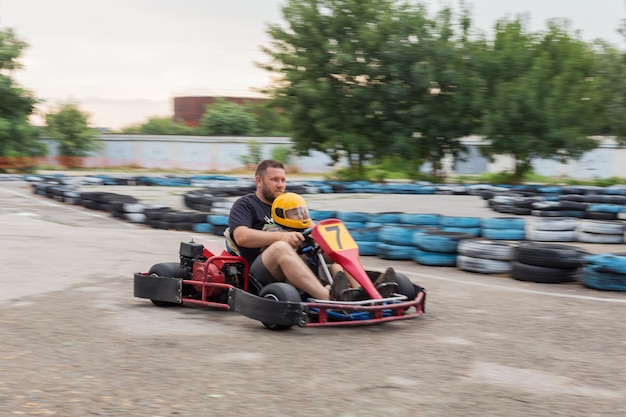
x=398 y=235
x=352 y=216
x=504 y=234
x=366 y=234
x=317 y=215
x=354 y=225
x=474 y=231
x=454 y=221
x=396 y=252
x=420 y=219
x=439 y=241
x=595 y=277
x=503 y=223
x=218 y=219
x=367 y=248
x=608 y=262
x=434 y=258
x=385 y=218
x=203 y=228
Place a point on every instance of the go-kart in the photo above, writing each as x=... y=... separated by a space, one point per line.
x=209 y=275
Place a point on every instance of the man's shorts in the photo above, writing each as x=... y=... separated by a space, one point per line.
x=260 y=272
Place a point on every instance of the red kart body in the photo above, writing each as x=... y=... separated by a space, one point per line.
x=208 y=275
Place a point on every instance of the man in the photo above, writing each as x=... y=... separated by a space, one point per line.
x=278 y=261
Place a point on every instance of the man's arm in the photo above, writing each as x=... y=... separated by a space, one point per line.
x=252 y=238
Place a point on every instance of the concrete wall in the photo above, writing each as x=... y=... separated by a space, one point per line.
x=194 y=153
x=608 y=160
x=224 y=154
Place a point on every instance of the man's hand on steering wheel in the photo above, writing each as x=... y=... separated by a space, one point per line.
x=294 y=239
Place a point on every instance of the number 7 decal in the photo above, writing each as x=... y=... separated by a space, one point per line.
x=337 y=235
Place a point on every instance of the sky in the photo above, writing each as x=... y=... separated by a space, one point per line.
x=123 y=61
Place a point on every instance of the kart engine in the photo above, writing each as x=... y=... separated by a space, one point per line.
x=193 y=258
x=214 y=274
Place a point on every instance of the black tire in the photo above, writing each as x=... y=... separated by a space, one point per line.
x=487 y=249
x=600 y=215
x=280 y=291
x=574 y=205
x=542 y=274
x=405 y=286
x=483 y=266
x=168 y=270
x=550 y=255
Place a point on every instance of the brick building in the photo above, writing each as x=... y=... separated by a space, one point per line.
x=189 y=109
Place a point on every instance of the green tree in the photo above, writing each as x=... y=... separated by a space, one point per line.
x=541 y=94
x=270 y=119
x=439 y=100
x=330 y=60
x=68 y=126
x=18 y=138
x=224 y=118
x=612 y=88
x=359 y=79
x=253 y=157
x=281 y=154
x=160 y=126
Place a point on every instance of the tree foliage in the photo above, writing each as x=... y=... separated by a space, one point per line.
x=270 y=120
x=69 y=126
x=359 y=79
x=160 y=126
x=18 y=138
x=542 y=100
x=329 y=63
x=253 y=157
x=224 y=118
x=365 y=80
x=612 y=86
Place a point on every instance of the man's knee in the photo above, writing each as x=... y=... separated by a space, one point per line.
x=280 y=248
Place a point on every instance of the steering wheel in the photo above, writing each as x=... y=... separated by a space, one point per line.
x=308 y=244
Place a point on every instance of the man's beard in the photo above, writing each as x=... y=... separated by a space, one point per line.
x=267 y=193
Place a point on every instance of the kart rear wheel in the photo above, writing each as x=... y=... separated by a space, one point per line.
x=280 y=291
x=169 y=270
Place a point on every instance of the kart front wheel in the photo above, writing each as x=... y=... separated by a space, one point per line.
x=405 y=286
x=280 y=291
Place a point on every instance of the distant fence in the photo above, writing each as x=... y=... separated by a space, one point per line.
x=227 y=154
x=190 y=153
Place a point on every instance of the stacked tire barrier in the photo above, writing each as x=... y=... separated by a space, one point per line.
x=384 y=218
x=317 y=215
x=367 y=238
x=583 y=202
x=605 y=272
x=584 y=214
x=547 y=263
x=203 y=200
x=486 y=256
x=396 y=242
x=353 y=219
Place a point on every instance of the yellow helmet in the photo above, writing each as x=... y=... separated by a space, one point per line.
x=290 y=210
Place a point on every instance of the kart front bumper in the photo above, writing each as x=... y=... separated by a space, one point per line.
x=315 y=313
